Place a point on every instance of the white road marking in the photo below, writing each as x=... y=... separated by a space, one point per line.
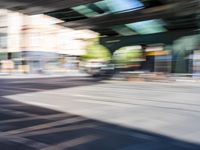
x=43 y=126
x=16 y=112
x=41 y=104
x=57 y=130
x=106 y=103
x=73 y=142
x=33 y=118
x=25 y=141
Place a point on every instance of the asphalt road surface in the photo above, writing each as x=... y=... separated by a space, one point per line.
x=88 y=114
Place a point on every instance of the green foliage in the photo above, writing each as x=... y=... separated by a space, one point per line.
x=126 y=55
x=97 y=51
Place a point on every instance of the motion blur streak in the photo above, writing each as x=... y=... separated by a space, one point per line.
x=99 y=75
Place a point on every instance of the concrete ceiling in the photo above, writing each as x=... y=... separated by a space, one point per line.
x=40 y=6
x=178 y=15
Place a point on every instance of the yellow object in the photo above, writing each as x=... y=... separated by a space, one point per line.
x=157 y=53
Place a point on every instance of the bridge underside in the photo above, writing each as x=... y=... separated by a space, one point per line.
x=114 y=18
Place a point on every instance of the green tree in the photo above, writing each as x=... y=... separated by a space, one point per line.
x=96 y=51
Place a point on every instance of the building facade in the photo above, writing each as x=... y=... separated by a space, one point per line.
x=37 y=43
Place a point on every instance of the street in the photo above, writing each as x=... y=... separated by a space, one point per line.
x=81 y=113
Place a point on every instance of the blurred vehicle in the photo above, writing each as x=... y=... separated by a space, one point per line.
x=97 y=67
x=97 y=60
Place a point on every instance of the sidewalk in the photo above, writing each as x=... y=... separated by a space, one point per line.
x=117 y=77
x=44 y=75
x=154 y=77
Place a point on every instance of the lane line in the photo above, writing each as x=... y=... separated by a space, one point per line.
x=57 y=130
x=125 y=104
x=119 y=96
x=27 y=142
x=15 y=112
x=41 y=104
x=49 y=117
x=73 y=142
x=43 y=126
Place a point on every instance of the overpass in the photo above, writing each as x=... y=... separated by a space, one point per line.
x=112 y=17
x=126 y=21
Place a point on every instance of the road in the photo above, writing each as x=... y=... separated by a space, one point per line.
x=86 y=114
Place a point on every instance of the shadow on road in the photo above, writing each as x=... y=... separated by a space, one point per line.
x=20 y=86
x=27 y=127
